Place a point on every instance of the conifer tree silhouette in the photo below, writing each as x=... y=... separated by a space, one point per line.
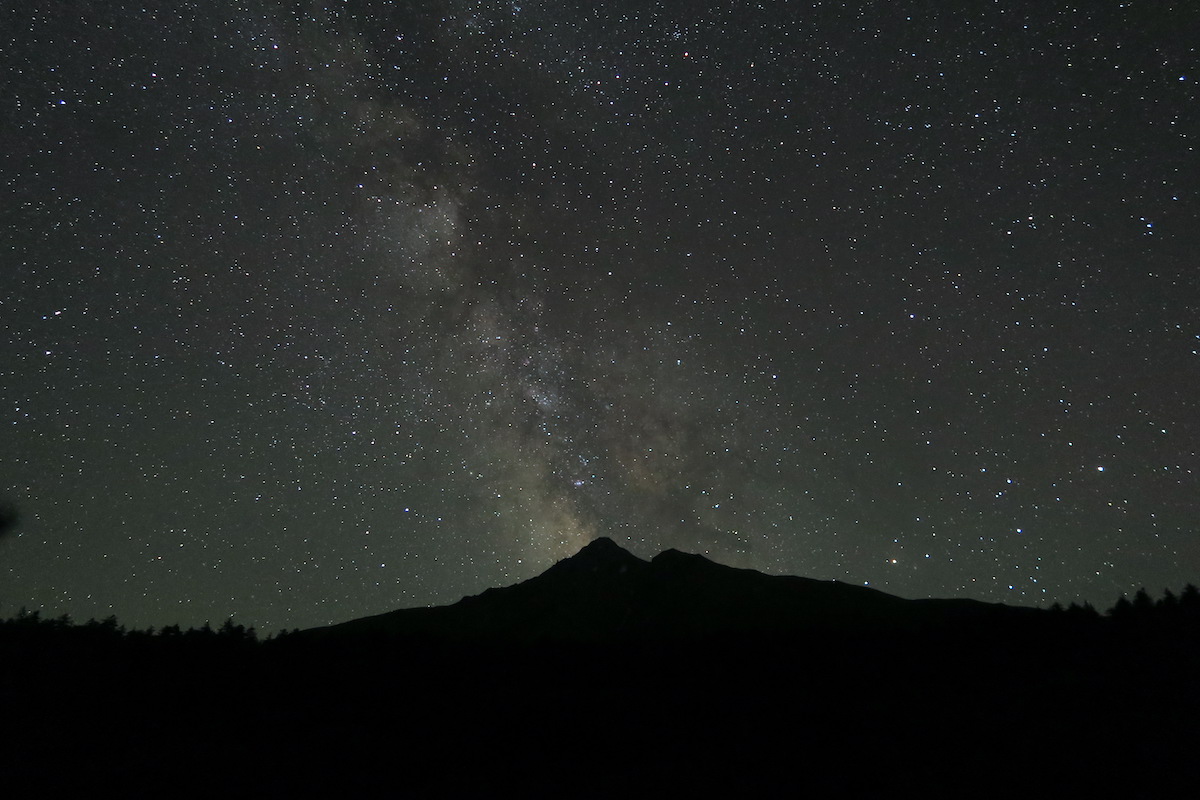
x=1189 y=602
x=1142 y=604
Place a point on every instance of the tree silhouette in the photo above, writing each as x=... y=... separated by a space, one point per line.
x=1189 y=602
x=27 y=617
x=232 y=632
x=1082 y=612
x=1167 y=607
x=1122 y=609
x=1142 y=604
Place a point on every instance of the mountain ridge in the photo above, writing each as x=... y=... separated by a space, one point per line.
x=605 y=593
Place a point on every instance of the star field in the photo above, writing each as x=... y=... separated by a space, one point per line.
x=315 y=310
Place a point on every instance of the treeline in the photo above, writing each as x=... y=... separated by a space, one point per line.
x=1170 y=611
x=1042 y=694
x=31 y=624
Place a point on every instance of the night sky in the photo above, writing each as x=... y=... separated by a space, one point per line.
x=313 y=310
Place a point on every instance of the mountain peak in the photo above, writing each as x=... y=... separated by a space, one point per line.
x=601 y=555
x=601 y=545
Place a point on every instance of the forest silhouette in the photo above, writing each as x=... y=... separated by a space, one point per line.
x=975 y=699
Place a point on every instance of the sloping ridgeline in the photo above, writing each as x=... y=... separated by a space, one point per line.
x=606 y=594
x=609 y=675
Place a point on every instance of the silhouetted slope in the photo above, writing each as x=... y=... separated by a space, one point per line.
x=612 y=676
x=605 y=593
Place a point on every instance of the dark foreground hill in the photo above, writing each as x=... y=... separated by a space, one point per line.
x=606 y=594
x=610 y=676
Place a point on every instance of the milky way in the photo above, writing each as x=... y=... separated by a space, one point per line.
x=314 y=310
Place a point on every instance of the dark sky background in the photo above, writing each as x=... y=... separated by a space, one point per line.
x=313 y=310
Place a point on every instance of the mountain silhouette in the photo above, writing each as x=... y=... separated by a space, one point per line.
x=605 y=593
x=609 y=675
